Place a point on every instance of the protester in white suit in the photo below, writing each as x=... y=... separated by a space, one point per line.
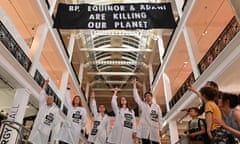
x=47 y=118
x=101 y=126
x=150 y=124
x=124 y=129
x=75 y=121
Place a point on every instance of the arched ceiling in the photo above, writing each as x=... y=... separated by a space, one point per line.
x=112 y=58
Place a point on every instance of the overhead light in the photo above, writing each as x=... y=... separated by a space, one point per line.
x=186 y=62
x=116 y=62
x=204 y=33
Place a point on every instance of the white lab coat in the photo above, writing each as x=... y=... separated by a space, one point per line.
x=47 y=118
x=124 y=126
x=101 y=127
x=75 y=122
x=150 y=120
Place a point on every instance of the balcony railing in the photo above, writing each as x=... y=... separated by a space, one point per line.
x=190 y=80
x=224 y=38
x=22 y=132
x=221 y=42
x=9 y=42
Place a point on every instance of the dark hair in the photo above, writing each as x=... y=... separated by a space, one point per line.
x=148 y=92
x=213 y=84
x=238 y=99
x=119 y=102
x=233 y=99
x=195 y=109
x=104 y=107
x=209 y=93
x=80 y=101
x=101 y=105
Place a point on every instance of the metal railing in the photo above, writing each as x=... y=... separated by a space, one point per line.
x=14 y=48
x=221 y=42
x=22 y=132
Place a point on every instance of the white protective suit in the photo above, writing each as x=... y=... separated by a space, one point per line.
x=101 y=129
x=124 y=126
x=47 y=118
x=75 y=122
x=150 y=120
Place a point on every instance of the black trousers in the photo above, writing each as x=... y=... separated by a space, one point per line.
x=147 y=141
x=61 y=142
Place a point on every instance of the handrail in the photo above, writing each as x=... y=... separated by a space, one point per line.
x=19 y=128
x=14 y=48
x=223 y=39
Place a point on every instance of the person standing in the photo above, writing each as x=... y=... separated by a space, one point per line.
x=211 y=84
x=150 y=124
x=124 y=129
x=75 y=121
x=231 y=115
x=47 y=118
x=196 y=127
x=101 y=128
x=215 y=132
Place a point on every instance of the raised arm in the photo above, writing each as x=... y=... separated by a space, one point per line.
x=93 y=104
x=135 y=93
x=68 y=96
x=43 y=95
x=114 y=102
x=193 y=89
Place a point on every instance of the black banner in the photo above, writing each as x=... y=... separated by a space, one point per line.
x=114 y=16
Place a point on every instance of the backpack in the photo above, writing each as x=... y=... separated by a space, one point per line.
x=204 y=137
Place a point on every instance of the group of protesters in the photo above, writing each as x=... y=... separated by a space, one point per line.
x=220 y=125
x=124 y=130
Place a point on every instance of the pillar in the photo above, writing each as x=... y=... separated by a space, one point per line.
x=173 y=131
x=71 y=46
x=52 y=7
x=167 y=90
x=63 y=88
x=150 y=76
x=196 y=72
x=161 y=48
x=87 y=90
x=80 y=75
x=9 y=135
x=37 y=47
x=179 y=4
